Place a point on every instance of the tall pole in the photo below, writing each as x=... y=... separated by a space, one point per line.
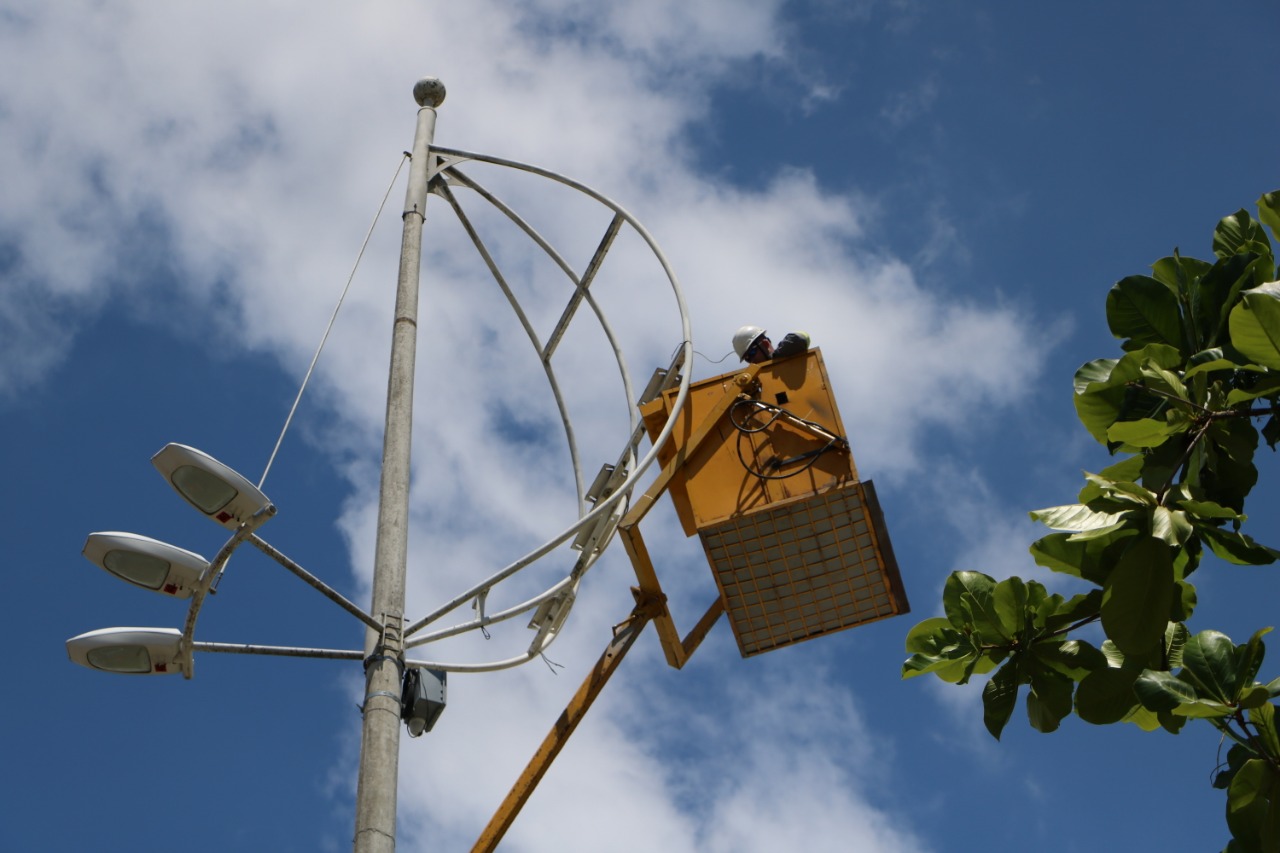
x=380 y=740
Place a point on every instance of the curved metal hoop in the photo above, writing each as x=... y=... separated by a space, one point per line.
x=603 y=504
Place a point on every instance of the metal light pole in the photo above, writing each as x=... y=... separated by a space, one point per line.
x=380 y=741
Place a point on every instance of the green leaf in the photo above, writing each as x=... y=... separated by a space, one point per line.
x=1205 y=709
x=1075 y=609
x=931 y=636
x=1115 y=657
x=968 y=598
x=1251 y=807
x=1236 y=547
x=1234 y=437
x=1105 y=534
x=1144 y=311
x=1161 y=464
x=1092 y=373
x=1267 y=386
x=1271 y=432
x=1255 y=324
x=1011 y=605
x=1137 y=597
x=1145 y=432
x=1250 y=657
x=1074 y=659
x=1269 y=211
x=1075 y=517
x=1177 y=271
x=1146 y=720
x=1170 y=526
x=1254 y=697
x=950 y=671
x=1209 y=661
x=1236 y=758
x=1239 y=233
x=1229 y=474
x=1106 y=696
x=1210 y=367
x=1163 y=691
x=1061 y=554
x=1219 y=291
x=1161 y=379
x=1127 y=470
x=939 y=648
x=1103 y=394
x=1088 y=559
x=1171 y=723
x=999 y=697
x=1263 y=718
x=1176 y=637
x=1184 y=601
x=1101 y=492
x=1049 y=700
x=1225 y=469
x=1209 y=509
x=1040 y=605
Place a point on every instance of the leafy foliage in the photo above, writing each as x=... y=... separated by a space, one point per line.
x=1183 y=407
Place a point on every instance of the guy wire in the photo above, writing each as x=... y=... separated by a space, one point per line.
x=325 y=337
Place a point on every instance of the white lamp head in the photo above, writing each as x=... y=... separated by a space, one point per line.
x=209 y=486
x=146 y=562
x=131 y=651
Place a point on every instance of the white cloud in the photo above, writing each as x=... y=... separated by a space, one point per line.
x=252 y=143
x=809 y=770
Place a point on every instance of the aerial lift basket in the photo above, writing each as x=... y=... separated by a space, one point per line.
x=759 y=467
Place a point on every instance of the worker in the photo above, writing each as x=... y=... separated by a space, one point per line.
x=753 y=346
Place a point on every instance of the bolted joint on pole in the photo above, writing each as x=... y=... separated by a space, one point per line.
x=390 y=642
x=388 y=648
x=384 y=668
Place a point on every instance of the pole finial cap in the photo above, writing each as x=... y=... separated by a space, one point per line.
x=428 y=92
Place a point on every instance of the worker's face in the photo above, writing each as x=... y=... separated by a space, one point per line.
x=761 y=350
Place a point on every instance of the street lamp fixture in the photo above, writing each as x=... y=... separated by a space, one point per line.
x=145 y=562
x=129 y=651
x=211 y=487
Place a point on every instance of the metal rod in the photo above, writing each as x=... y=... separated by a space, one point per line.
x=380 y=736
x=501 y=280
x=485 y=620
x=314 y=582
x=704 y=625
x=281 y=651
x=587 y=277
x=624 y=637
x=580 y=291
x=205 y=586
x=668 y=635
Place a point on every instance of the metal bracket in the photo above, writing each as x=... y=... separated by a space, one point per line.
x=624 y=635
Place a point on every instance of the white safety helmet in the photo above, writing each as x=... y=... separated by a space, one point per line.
x=744 y=338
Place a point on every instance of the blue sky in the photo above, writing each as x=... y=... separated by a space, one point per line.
x=940 y=195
